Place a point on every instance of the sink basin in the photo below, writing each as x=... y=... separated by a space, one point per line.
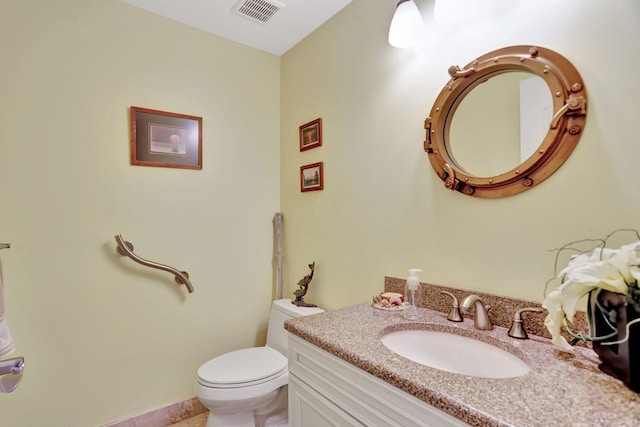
x=454 y=353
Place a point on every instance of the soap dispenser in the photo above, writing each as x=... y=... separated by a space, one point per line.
x=410 y=289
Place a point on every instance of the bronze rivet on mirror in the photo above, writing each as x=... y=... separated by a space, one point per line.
x=490 y=181
x=546 y=71
x=574 y=130
x=576 y=87
x=521 y=59
x=533 y=51
x=558 y=94
x=541 y=151
x=527 y=182
x=517 y=172
x=437 y=109
x=466 y=179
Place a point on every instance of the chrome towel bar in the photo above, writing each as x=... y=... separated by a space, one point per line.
x=126 y=249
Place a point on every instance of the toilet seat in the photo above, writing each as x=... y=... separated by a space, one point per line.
x=242 y=368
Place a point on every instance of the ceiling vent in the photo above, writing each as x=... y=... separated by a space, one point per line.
x=258 y=10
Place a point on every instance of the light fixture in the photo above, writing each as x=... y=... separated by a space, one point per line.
x=405 y=24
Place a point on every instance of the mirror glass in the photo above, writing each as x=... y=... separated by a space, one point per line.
x=506 y=121
x=500 y=123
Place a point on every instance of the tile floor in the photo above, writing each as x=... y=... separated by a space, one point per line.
x=167 y=416
x=197 y=421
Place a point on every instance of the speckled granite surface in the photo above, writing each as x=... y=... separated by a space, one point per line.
x=562 y=388
x=501 y=312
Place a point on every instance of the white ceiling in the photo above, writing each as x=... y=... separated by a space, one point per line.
x=288 y=26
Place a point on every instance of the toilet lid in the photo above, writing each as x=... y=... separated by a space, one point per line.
x=242 y=368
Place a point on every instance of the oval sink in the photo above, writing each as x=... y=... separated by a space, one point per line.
x=454 y=353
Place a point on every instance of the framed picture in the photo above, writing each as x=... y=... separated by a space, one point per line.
x=311 y=177
x=311 y=135
x=169 y=140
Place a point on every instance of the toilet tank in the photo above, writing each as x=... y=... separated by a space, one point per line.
x=281 y=311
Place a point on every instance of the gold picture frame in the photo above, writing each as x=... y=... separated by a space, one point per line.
x=160 y=138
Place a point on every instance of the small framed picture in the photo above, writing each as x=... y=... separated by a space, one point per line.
x=311 y=135
x=170 y=140
x=311 y=177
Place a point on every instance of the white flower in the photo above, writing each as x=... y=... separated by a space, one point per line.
x=607 y=269
x=555 y=320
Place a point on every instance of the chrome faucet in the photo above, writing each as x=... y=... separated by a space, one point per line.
x=481 y=318
x=454 y=313
x=517 y=325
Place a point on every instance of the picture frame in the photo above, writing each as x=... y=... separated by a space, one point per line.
x=164 y=139
x=312 y=177
x=311 y=135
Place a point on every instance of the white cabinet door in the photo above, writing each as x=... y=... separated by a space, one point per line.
x=339 y=394
x=307 y=408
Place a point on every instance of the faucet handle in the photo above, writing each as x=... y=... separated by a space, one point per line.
x=517 y=325
x=454 y=313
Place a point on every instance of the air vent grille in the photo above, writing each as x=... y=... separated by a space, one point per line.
x=258 y=10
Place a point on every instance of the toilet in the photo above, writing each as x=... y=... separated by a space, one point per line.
x=248 y=387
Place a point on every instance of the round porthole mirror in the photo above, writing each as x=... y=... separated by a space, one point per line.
x=506 y=121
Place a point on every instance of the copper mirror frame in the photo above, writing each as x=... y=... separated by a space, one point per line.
x=569 y=117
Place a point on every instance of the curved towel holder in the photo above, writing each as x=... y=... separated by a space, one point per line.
x=126 y=249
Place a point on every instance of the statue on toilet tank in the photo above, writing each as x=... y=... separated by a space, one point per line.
x=304 y=287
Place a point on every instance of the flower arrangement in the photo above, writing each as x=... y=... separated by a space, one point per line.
x=601 y=268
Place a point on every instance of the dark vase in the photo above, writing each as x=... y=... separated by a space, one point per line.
x=616 y=359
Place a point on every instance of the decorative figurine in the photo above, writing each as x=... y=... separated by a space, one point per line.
x=304 y=287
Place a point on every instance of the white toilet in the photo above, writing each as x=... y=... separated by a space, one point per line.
x=248 y=387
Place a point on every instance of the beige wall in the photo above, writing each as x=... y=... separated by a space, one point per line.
x=383 y=210
x=103 y=337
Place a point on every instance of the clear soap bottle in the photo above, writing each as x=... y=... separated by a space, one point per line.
x=410 y=289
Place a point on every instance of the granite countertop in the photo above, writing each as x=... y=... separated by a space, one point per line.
x=562 y=388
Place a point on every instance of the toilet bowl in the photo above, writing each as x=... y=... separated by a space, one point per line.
x=248 y=387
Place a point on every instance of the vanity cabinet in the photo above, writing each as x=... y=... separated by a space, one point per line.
x=327 y=391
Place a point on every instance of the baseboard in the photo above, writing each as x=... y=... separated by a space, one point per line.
x=163 y=417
